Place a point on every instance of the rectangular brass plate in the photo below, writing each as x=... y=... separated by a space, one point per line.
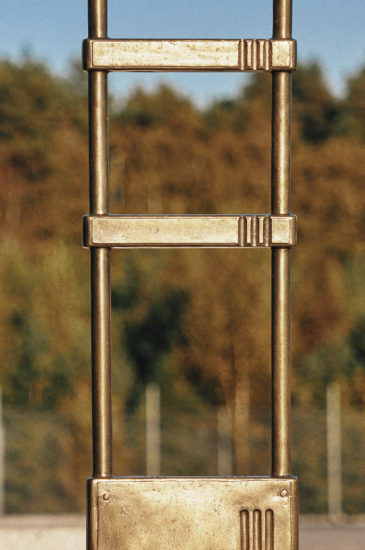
x=193 y=514
x=190 y=231
x=189 y=55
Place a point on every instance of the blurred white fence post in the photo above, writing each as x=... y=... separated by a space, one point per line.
x=334 y=452
x=224 y=442
x=153 y=431
x=2 y=455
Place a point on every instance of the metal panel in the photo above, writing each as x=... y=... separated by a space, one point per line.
x=193 y=513
x=190 y=231
x=188 y=55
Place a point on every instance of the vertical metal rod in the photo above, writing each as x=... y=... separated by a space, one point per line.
x=281 y=461
x=280 y=204
x=282 y=19
x=100 y=258
x=101 y=364
x=98 y=18
x=98 y=142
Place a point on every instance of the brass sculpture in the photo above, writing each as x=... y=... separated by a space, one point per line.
x=222 y=513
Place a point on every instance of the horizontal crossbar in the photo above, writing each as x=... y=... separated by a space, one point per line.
x=206 y=231
x=189 y=55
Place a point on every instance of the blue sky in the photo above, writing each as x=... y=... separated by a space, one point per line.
x=331 y=31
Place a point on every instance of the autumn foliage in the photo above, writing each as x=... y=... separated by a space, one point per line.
x=195 y=322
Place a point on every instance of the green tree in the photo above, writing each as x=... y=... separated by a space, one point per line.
x=316 y=110
x=354 y=106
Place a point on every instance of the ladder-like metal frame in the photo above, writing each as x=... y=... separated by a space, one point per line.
x=277 y=230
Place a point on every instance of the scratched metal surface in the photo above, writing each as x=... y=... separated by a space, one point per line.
x=191 y=513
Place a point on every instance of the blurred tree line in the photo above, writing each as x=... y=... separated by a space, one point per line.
x=196 y=322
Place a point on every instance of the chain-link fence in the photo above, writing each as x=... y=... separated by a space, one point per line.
x=47 y=460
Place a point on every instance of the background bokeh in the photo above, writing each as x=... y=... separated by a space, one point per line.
x=194 y=322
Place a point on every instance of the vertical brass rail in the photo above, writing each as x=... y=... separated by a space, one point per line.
x=280 y=204
x=100 y=258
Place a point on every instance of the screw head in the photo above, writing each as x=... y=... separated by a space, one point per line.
x=284 y=493
x=106 y=497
